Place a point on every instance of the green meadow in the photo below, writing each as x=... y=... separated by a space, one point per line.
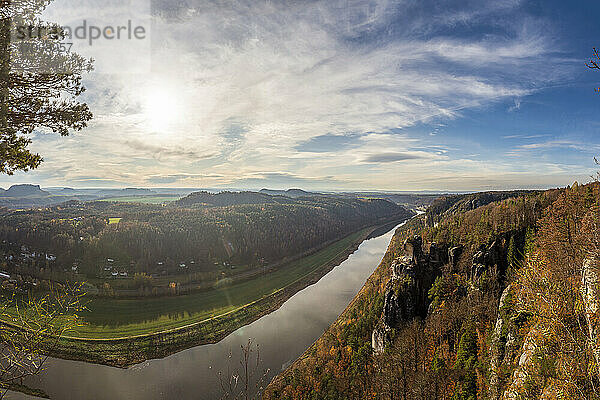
x=112 y=318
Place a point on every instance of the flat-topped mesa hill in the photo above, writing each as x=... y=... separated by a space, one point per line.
x=23 y=191
x=24 y=196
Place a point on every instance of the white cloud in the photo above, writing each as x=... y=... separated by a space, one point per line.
x=253 y=80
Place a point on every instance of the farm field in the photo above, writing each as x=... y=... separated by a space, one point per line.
x=112 y=318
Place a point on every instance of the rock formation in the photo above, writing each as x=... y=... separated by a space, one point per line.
x=524 y=365
x=504 y=344
x=590 y=291
x=486 y=258
x=412 y=275
x=454 y=254
x=438 y=254
x=406 y=292
x=413 y=248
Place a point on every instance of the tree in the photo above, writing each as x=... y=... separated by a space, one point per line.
x=245 y=382
x=39 y=83
x=37 y=324
x=529 y=241
x=466 y=362
x=511 y=257
x=594 y=63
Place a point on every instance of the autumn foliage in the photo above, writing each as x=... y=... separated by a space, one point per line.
x=539 y=341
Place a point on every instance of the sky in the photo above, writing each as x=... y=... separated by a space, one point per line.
x=404 y=95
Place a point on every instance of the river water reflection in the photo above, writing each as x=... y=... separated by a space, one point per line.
x=282 y=336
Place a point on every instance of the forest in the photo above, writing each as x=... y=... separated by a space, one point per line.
x=498 y=301
x=201 y=233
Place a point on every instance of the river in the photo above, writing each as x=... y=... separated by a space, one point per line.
x=282 y=337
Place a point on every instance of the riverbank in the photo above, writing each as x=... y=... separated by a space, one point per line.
x=281 y=378
x=127 y=350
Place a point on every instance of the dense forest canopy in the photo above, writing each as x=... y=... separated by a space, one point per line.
x=158 y=238
x=513 y=314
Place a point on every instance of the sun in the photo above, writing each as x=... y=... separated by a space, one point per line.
x=161 y=109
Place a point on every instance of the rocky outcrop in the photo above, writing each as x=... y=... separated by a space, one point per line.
x=590 y=291
x=523 y=368
x=381 y=338
x=399 y=266
x=503 y=345
x=526 y=365
x=477 y=270
x=454 y=254
x=490 y=255
x=486 y=258
x=397 y=301
x=392 y=309
x=405 y=294
x=413 y=248
x=438 y=254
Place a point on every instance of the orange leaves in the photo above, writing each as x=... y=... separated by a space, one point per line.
x=549 y=289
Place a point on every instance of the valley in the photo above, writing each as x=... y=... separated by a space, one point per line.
x=138 y=307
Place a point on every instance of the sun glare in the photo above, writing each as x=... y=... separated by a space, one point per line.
x=161 y=109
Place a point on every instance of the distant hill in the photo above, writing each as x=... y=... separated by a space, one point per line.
x=97 y=193
x=288 y=193
x=24 y=191
x=27 y=196
x=32 y=196
x=66 y=191
x=224 y=199
x=136 y=192
x=449 y=205
x=413 y=201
